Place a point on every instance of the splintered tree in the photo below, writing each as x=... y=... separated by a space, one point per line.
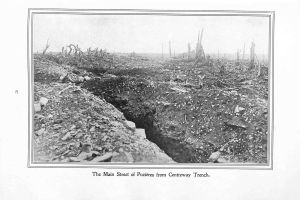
x=46 y=47
x=237 y=57
x=252 y=55
x=200 y=55
x=253 y=58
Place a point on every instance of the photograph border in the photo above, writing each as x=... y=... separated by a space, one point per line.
x=235 y=166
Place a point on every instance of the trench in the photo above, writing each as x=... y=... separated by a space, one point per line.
x=145 y=117
x=176 y=149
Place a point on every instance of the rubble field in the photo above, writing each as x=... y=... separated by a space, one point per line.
x=213 y=112
x=73 y=125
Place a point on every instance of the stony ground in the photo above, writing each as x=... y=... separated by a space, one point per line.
x=210 y=113
x=73 y=125
x=192 y=111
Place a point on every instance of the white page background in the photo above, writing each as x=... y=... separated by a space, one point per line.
x=19 y=182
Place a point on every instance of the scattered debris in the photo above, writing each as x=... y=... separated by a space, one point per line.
x=87 y=78
x=238 y=109
x=73 y=127
x=177 y=89
x=81 y=79
x=105 y=158
x=214 y=156
x=92 y=129
x=236 y=122
x=40 y=132
x=123 y=157
x=109 y=76
x=130 y=124
x=67 y=136
x=141 y=133
x=37 y=107
x=87 y=155
x=222 y=160
x=37 y=116
x=86 y=148
x=43 y=101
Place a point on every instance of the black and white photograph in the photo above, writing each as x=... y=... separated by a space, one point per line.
x=153 y=87
x=151 y=99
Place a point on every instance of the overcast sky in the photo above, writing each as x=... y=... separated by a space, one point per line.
x=146 y=34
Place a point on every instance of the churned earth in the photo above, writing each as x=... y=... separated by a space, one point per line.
x=190 y=113
x=73 y=125
x=194 y=113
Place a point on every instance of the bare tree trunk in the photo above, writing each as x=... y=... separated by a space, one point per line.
x=237 y=57
x=252 y=55
x=46 y=47
x=200 y=55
